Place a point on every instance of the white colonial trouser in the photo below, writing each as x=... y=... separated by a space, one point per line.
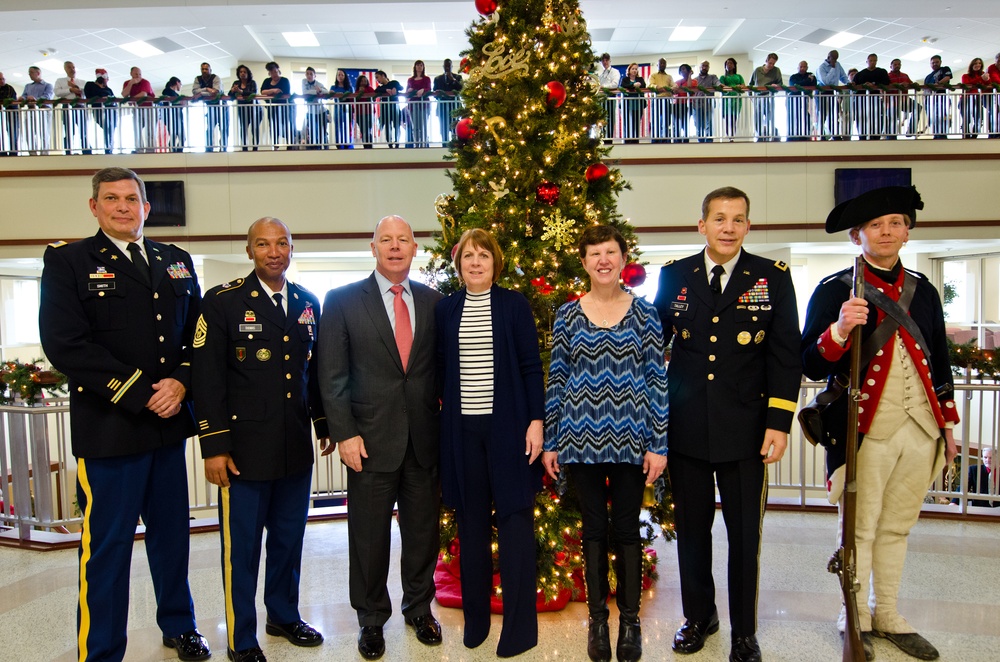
x=894 y=475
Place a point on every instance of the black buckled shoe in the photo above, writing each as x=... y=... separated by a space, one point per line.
x=910 y=643
x=371 y=642
x=246 y=655
x=190 y=646
x=691 y=637
x=299 y=633
x=427 y=628
x=745 y=649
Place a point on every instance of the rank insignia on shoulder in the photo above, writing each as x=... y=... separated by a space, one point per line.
x=781 y=265
x=685 y=334
x=57 y=244
x=230 y=285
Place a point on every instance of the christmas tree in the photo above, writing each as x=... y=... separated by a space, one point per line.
x=528 y=168
x=528 y=152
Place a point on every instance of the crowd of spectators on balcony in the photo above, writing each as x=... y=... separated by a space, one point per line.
x=74 y=116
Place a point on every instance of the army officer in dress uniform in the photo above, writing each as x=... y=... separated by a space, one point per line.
x=255 y=394
x=734 y=322
x=117 y=315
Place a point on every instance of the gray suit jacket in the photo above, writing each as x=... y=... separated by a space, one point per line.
x=364 y=389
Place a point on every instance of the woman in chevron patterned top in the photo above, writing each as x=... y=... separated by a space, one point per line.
x=606 y=418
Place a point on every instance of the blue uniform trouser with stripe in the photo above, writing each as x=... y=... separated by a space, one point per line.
x=113 y=494
x=246 y=509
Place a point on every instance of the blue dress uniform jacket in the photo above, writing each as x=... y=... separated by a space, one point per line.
x=824 y=309
x=734 y=370
x=100 y=327
x=256 y=385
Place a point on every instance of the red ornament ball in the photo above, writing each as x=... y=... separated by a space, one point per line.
x=464 y=129
x=539 y=282
x=454 y=547
x=557 y=93
x=463 y=66
x=547 y=193
x=486 y=7
x=454 y=249
x=634 y=274
x=596 y=171
x=555 y=27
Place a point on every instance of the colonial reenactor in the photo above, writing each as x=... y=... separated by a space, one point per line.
x=733 y=380
x=117 y=316
x=906 y=412
x=257 y=400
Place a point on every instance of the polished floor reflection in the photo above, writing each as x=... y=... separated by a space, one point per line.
x=951 y=594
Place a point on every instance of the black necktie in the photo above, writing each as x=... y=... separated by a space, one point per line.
x=281 y=309
x=716 y=283
x=140 y=262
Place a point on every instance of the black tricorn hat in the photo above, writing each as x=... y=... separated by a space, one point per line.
x=875 y=203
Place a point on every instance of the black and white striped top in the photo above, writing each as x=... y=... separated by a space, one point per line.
x=475 y=354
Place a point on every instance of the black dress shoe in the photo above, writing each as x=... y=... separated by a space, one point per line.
x=371 y=643
x=598 y=640
x=427 y=628
x=745 y=649
x=299 y=633
x=691 y=637
x=190 y=646
x=246 y=655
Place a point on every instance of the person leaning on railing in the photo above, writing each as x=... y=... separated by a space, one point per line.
x=935 y=98
x=418 y=88
x=734 y=86
x=972 y=100
x=663 y=84
x=277 y=90
x=632 y=86
x=993 y=100
x=343 y=125
x=8 y=108
x=248 y=113
x=389 y=116
x=766 y=76
x=317 y=115
x=173 y=116
x=364 y=96
x=102 y=99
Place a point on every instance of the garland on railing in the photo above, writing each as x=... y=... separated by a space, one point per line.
x=25 y=381
x=982 y=363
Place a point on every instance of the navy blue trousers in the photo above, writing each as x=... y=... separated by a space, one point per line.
x=246 y=509
x=516 y=550
x=113 y=494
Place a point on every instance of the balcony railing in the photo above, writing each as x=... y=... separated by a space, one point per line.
x=694 y=115
x=38 y=494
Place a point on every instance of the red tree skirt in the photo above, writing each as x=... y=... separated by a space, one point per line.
x=447 y=579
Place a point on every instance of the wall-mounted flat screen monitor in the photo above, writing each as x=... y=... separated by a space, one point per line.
x=849 y=183
x=166 y=204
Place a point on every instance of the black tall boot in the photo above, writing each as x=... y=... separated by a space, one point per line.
x=628 y=564
x=595 y=574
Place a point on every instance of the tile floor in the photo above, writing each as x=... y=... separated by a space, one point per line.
x=951 y=594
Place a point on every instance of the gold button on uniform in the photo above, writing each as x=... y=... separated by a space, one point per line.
x=286 y=339
x=156 y=295
x=234 y=417
x=711 y=376
x=162 y=360
x=287 y=357
x=161 y=338
x=715 y=320
x=712 y=338
x=288 y=395
x=159 y=317
x=288 y=375
x=711 y=357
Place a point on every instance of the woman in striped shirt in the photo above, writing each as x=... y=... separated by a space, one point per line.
x=492 y=408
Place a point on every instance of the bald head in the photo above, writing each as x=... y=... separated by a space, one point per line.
x=394 y=248
x=257 y=227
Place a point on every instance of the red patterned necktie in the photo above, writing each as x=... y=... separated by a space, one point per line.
x=404 y=333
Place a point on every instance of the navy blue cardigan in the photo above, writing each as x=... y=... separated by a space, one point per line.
x=518 y=398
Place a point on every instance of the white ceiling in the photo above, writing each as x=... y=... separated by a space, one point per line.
x=226 y=32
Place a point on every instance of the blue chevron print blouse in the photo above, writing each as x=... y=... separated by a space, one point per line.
x=607 y=394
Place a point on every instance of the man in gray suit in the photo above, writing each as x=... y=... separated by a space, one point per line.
x=377 y=380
